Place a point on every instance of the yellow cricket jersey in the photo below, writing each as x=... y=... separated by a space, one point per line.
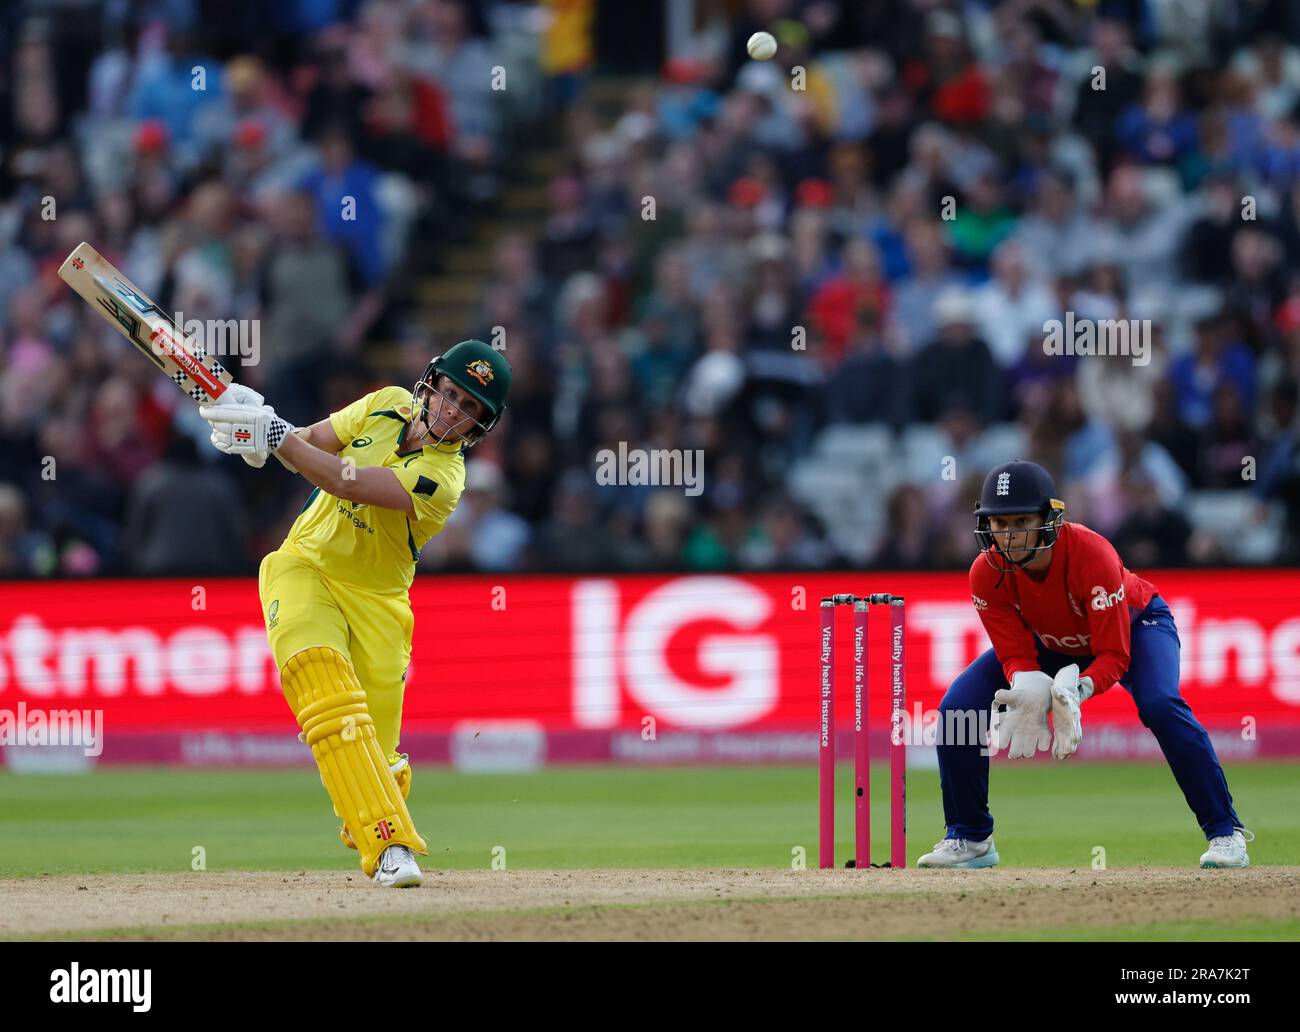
x=372 y=547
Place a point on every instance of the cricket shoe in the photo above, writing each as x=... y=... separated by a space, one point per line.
x=960 y=852
x=1228 y=850
x=397 y=869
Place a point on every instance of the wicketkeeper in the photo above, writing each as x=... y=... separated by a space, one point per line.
x=388 y=471
x=1068 y=622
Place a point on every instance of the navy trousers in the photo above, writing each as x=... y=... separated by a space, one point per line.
x=1152 y=680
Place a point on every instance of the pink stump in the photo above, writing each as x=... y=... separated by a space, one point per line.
x=861 y=741
x=826 y=744
x=897 y=741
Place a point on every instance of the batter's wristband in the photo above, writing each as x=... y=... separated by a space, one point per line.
x=276 y=433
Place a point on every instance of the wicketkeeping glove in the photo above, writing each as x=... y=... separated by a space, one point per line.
x=1022 y=728
x=1068 y=691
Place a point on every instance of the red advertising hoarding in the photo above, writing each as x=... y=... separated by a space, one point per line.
x=714 y=668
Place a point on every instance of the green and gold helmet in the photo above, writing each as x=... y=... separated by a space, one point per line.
x=480 y=371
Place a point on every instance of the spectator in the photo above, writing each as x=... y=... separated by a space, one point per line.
x=175 y=82
x=179 y=519
x=443 y=49
x=1226 y=443
x=1168 y=430
x=1216 y=359
x=347 y=209
x=246 y=97
x=1275 y=69
x=336 y=99
x=954 y=84
x=81 y=507
x=971 y=446
x=1039 y=373
x=956 y=368
x=572 y=538
x=889 y=139
x=1257 y=286
x=715 y=380
x=858 y=293
x=1100 y=101
x=814 y=215
x=931 y=274
x=1027 y=72
x=118 y=442
x=667 y=517
x=1013 y=307
x=408 y=127
x=1279 y=472
x=1115 y=456
x=23 y=552
x=909 y=539
x=870 y=384
x=773 y=299
x=1119 y=390
x=16 y=272
x=1158 y=131
x=486 y=535
x=307 y=288
x=668 y=323
x=569 y=244
x=983 y=221
x=781 y=541
x=1135 y=234
x=1054 y=234
x=1207 y=256
x=1151 y=535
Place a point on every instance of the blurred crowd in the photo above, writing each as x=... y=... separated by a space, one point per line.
x=276 y=164
x=883 y=246
x=739 y=257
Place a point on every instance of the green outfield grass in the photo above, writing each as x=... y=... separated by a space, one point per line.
x=1049 y=815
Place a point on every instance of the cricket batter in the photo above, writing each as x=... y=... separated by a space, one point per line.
x=1068 y=622
x=388 y=471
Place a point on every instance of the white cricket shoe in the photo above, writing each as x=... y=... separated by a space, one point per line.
x=397 y=869
x=1228 y=850
x=960 y=852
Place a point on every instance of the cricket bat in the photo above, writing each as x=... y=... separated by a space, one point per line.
x=140 y=320
x=182 y=359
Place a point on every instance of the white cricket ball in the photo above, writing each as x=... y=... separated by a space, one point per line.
x=761 y=46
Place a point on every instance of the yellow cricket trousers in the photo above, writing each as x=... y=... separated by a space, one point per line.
x=303 y=607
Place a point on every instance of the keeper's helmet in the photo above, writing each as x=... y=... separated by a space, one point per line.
x=1011 y=489
x=480 y=371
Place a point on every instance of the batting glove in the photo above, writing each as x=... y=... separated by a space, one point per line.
x=243 y=430
x=238 y=394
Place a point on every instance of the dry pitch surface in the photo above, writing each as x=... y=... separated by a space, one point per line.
x=661 y=905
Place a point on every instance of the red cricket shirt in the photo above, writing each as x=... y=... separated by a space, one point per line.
x=1082 y=608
